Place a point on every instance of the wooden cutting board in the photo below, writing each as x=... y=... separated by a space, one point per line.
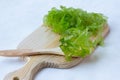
x=38 y=40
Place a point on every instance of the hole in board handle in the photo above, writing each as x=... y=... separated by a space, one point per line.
x=16 y=78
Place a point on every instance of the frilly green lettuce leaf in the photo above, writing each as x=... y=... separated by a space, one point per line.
x=76 y=26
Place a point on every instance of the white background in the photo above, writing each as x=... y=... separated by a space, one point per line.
x=18 y=18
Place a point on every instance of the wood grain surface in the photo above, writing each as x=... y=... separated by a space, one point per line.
x=35 y=63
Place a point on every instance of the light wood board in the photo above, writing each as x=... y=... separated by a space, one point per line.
x=39 y=40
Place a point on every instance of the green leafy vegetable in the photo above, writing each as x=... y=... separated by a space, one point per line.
x=76 y=26
x=76 y=43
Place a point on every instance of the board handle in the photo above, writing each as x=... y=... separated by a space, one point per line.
x=28 y=71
